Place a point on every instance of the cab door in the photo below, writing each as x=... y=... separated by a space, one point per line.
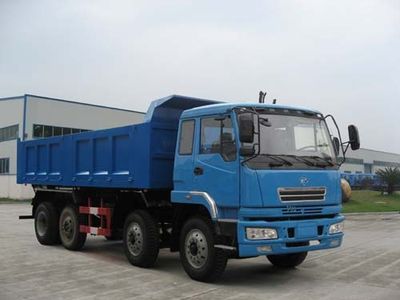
x=216 y=163
x=184 y=157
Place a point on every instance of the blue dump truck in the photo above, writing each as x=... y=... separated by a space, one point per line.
x=209 y=179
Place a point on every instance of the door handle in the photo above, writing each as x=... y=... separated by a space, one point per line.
x=198 y=171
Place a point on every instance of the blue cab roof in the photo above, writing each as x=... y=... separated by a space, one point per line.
x=221 y=108
x=171 y=108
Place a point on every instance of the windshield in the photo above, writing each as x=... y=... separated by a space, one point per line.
x=297 y=138
x=300 y=136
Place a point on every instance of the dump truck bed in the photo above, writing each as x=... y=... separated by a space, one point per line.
x=134 y=157
x=137 y=156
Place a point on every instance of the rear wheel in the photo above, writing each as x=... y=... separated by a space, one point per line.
x=70 y=236
x=141 y=239
x=290 y=260
x=46 y=224
x=200 y=259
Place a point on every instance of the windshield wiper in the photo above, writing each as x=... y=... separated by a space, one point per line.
x=277 y=161
x=327 y=161
x=301 y=159
x=277 y=157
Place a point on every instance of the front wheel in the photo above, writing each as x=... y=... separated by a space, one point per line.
x=200 y=259
x=290 y=260
x=71 y=237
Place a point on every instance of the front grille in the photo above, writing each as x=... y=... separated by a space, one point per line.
x=302 y=194
x=312 y=210
x=292 y=217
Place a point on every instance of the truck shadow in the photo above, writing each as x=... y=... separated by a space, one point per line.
x=251 y=272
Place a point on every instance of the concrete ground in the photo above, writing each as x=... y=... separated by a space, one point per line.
x=366 y=267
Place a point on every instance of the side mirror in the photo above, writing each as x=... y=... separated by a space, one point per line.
x=247 y=151
x=336 y=145
x=354 y=138
x=246 y=128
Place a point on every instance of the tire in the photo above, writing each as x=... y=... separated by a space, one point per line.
x=46 y=224
x=199 y=258
x=70 y=236
x=141 y=239
x=290 y=260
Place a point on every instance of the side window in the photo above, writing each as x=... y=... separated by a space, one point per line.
x=213 y=142
x=186 y=138
x=210 y=136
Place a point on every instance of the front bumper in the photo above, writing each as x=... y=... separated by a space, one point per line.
x=293 y=236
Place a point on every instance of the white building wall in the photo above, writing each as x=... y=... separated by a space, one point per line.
x=12 y=113
x=9 y=188
x=45 y=111
x=8 y=149
x=373 y=159
x=352 y=168
x=369 y=156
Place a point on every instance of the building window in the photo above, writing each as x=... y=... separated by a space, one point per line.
x=40 y=131
x=47 y=131
x=37 y=130
x=66 y=131
x=4 y=165
x=57 y=131
x=186 y=139
x=9 y=133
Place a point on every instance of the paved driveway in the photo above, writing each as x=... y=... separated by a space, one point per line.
x=366 y=267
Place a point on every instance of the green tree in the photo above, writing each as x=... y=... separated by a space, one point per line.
x=391 y=176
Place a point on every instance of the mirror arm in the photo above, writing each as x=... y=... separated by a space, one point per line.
x=340 y=138
x=251 y=157
x=347 y=146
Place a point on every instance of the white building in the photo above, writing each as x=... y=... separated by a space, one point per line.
x=369 y=161
x=32 y=117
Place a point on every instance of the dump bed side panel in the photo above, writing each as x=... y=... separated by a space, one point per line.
x=114 y=158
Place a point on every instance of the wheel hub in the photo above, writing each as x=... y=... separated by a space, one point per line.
x=42 y=223
x=135 y=239
x=67 y=227
x=193 y=248
x=196 y=248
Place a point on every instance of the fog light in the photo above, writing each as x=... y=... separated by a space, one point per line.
x=335 y=243
x=261 y=233
x=264 y=249
x=336 y=228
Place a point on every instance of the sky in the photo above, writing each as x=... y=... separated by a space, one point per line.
x=339 y=57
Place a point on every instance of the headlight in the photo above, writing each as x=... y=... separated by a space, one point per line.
x=261 y=233
x=336 y=228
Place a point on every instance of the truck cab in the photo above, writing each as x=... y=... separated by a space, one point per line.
x=267 y=174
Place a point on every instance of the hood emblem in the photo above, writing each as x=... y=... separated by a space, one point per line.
x=304 y=180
